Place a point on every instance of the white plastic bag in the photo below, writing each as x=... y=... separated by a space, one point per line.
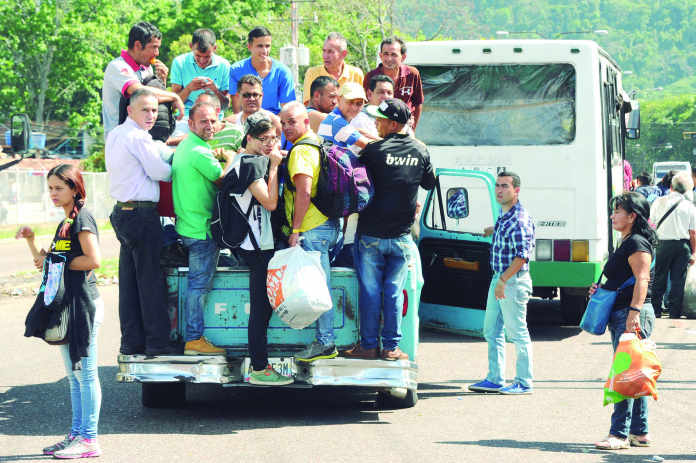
x=689 y=305
x=296 y=286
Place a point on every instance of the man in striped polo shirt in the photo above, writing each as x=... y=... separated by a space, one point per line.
x=511 y=286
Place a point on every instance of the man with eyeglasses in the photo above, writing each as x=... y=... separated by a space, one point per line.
x=201 y=70
x=250 y=93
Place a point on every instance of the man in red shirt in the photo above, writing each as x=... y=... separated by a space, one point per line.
x=407 y=81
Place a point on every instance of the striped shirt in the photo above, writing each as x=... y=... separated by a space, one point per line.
x=335 y=128
x=230 y=137
x=513 y=236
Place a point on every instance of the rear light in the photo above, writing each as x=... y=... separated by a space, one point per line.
x=561 y=250
x=544 y=250
x=405 y=310
x=581 y=251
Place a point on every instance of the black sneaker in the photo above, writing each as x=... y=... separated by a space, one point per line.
x=316 y=351
x=155 y=351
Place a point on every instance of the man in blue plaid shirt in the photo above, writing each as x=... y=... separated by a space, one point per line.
x=511 y=286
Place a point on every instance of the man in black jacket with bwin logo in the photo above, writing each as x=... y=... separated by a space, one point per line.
x=399 y=165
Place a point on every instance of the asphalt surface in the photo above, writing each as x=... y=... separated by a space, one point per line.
x=16 y=256
x=558 y=423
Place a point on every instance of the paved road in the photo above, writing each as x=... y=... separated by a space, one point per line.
x=17 y=258
x=556 y=424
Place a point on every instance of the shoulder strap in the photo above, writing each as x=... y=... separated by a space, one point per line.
x=671 y=209
x=252 y=238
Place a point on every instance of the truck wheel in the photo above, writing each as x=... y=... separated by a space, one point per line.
x=572 y=307
x=388 y=401
x=163 y=395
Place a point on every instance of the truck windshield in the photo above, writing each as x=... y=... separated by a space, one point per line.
x=498 y=105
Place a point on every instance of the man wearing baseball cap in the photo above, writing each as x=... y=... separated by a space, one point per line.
x=336 y=127
x=399 y=164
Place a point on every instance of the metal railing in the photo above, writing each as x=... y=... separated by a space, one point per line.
x=24 y=197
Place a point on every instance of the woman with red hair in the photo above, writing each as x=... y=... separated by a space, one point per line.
x=78 y=236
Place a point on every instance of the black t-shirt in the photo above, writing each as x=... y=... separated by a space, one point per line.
x=62 y=246
x=618 y=270
x=398 y=165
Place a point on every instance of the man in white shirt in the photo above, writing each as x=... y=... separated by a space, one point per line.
x=677 y=248
x=124 y=74
x=135 y=169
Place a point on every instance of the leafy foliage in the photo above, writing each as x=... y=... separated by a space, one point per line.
x=53 y=52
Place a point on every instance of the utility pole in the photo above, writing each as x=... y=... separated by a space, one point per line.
x=294 y=38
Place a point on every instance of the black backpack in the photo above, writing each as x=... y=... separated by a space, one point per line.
x=165 y=123
x=229 y=225
x=344 y=185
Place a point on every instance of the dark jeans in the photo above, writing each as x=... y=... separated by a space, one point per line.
x=671 y=260
x=260 y=309
x=142 y=304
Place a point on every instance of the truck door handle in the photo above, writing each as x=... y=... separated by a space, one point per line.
x=454 y=262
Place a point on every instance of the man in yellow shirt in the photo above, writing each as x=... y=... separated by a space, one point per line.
x=333 y=54
x=319 y=232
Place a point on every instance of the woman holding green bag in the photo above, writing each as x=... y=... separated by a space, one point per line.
x=632 y=310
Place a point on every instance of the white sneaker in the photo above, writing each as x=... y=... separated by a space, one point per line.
x=59 y=445
x=80 y=448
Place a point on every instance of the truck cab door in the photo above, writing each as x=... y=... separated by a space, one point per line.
x=455 y=255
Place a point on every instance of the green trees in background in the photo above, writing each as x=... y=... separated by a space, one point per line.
x=53 y=52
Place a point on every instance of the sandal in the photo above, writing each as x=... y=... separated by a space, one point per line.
x=613 y=443
x=634 y=441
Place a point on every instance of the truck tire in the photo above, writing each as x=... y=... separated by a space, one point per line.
x=388 y=401
x=163 y=395
x=572 y=307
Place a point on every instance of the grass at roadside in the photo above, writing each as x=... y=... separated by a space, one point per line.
x=45 y=229
x=109 y=268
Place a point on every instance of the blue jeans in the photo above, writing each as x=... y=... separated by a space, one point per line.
x=203 y=260
x=85 y=390
x=630 y=415
x=321 y=239
x=509 y=316
x=382 y=267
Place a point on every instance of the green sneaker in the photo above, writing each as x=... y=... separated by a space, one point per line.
x=269 y=377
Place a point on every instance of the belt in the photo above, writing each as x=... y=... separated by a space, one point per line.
x=136 y=204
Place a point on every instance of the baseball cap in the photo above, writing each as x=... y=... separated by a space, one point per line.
x=351 y=91
x=251 y=122
x=392 y=109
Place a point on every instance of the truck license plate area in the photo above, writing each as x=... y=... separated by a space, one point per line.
x=282 y=365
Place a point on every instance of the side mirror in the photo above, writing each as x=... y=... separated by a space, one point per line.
x=633 y=122
x=457 y=203
x=19 y=138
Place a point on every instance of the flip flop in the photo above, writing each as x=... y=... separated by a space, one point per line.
x=634 y=441
x=613 y=443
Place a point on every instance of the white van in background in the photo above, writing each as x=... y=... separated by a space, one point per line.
x=661 y=168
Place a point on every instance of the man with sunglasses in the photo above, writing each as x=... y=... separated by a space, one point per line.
x=250 y=94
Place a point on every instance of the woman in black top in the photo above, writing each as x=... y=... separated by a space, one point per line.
x=257 y=186
x=632 y=310
x=76 y=235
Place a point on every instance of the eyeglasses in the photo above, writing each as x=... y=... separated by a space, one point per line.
x=267 y=141
x=246 y=96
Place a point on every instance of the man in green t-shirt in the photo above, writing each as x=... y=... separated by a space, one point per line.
x=320 y=233
x=196 y=176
